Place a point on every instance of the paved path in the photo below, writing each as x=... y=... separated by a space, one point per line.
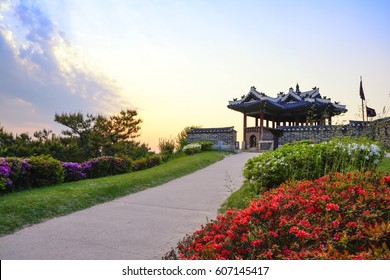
x=140 y=226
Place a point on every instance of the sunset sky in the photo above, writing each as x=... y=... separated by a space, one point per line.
x=179 y=62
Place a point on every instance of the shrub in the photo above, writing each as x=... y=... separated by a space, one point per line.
x=44 y=170
x=73 y=171
x=5 y=173
x=140 y=164
x=192 y=148
x=106 y=166
x=153 y=161
x=309 y=161
x=20 y=172
x=334 y=217
x=166 y=146
x=148 y=162
x=205 y=145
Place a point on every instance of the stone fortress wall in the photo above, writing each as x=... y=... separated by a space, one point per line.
x=379 y=130
x=224 y=138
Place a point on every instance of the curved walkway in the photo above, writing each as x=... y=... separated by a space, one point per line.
x=140 y=226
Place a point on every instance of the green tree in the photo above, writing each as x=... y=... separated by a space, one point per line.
x=43 y=135
x=181 y=138
x=99 y=135
x=84 y=128
x=120 y=131
x=6 y=141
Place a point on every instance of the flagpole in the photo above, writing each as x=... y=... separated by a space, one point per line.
x=362 y=97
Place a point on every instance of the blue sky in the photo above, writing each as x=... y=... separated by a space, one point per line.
x=180 y=62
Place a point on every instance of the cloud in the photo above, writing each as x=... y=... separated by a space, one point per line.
x=40 y=70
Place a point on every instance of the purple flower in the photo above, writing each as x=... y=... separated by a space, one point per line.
x=73 y=171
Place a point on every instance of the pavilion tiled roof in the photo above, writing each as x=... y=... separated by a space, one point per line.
x=289 y=102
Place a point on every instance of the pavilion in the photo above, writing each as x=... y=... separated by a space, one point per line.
x=271 y=114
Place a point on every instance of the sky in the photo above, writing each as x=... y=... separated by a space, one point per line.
x=179 y=62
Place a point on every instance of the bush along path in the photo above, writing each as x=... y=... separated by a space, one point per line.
x=342 y=215
x=143 y=225
x=333 y=217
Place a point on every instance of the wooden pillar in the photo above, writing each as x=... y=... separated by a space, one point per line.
x=261 y=119
x=257 y=122
x=330 y=120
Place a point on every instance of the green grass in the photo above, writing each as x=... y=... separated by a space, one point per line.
x=20 y=209
x=385 y=165
x=241 y=198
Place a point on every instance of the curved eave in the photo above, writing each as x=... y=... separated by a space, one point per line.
x=270 y=107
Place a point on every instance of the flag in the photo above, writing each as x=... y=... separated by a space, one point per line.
x=361 y=90
x=370 y=112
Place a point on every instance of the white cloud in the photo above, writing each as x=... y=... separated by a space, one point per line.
x=41 y=73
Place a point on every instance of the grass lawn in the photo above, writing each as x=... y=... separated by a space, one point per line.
x=385 y=165
x=20 y=209
x=241 y=198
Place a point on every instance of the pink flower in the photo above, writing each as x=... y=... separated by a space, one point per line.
x=337 y=236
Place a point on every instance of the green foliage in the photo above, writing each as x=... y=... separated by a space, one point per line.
x=385 y=165
x=205 y=145
x=333 y=217
x=87 y=136
x=44 y=171
x=166 y=146
x=106 y=166
x=147 y=162
x=193 y=148
x=181 y=138
x=239 y=199
x=19 y=209
x=140 y=164
x=310 y=161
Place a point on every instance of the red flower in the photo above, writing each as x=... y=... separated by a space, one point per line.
x=324 y=213
x=331 y=206
x=386 y=179
x=352 y=225
x=282 y=222
x=244 y=237
x=294 y=230
x=304 y=223
x=335 y=224
x=302 y=234
x=257 y=242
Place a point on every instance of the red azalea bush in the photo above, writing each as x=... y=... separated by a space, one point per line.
x=334 y=217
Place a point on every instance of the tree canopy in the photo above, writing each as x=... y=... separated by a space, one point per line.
x=85 y=136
